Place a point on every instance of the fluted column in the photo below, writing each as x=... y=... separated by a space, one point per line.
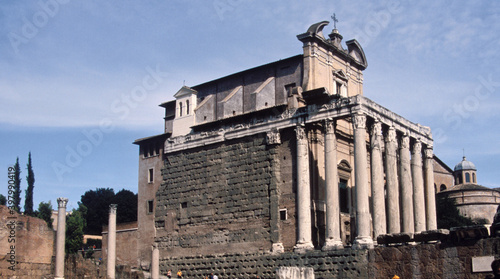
x=430 y=194
x=391 y=174
x=363 y=239
x=406 y=185
x=304 y=234
x=333 y=240
x=111 y=242
x=377 y=174
x=61 y=237
x=418 y=187
x=155 y=262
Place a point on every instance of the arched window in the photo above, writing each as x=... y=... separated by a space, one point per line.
x=467 y=177
x=474 y=178
x=180 y=108
x=442 y=187
x=187 y=107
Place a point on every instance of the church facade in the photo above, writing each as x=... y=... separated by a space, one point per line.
x=287 y=157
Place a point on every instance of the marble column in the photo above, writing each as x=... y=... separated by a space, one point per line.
x=155 y=262
x=363 y=226
x=377 y=175
x=418 y=187
x=304 y=230
x=391 y=177
x=406 y=185
x=61 y=237
x=430 y=194
x=332 y=238
x=111 y=242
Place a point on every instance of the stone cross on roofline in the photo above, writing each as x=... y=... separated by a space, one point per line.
x=335 y=20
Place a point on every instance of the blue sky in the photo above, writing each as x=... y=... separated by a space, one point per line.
x=81 y=80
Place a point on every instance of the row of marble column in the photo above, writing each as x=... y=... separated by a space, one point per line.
x=409 y=194
x=61 y=240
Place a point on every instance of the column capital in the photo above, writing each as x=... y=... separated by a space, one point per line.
x=300 y=132
x=375 y=133
x=359 y=121
x=62 y=202
x=273 y=137
x=330 y=126
x=112 y=208
x=417 y=147
x=391 y=135
x=405 y=141
x=428 y=152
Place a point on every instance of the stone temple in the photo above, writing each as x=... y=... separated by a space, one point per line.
x=263 y=167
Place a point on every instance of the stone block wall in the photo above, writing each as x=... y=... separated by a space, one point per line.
x=435 y=260
x=285 y=160
x=440 y=260
x=333 y=264
x=217 y=199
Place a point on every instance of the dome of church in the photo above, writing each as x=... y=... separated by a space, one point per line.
x=465 y=165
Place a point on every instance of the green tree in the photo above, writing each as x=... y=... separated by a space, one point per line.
x=16 y=195
x=44 y=212
x=3 y=200
x=30 y=179
x=97 y=202
x=448 y=215
x=127 y=206
x=75 y=225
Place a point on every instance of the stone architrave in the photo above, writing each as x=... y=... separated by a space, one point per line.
x=155 y=262
x=304 y=230
x=406 y=185
x=430 y=194
x=391 y=167
x=111 y=242
x=363 y=239
x=61 y=237
x=332 y=238
x=418 y=187
x=377 y=180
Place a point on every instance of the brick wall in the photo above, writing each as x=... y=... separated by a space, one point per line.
x=34 y=245
x=126 y=243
